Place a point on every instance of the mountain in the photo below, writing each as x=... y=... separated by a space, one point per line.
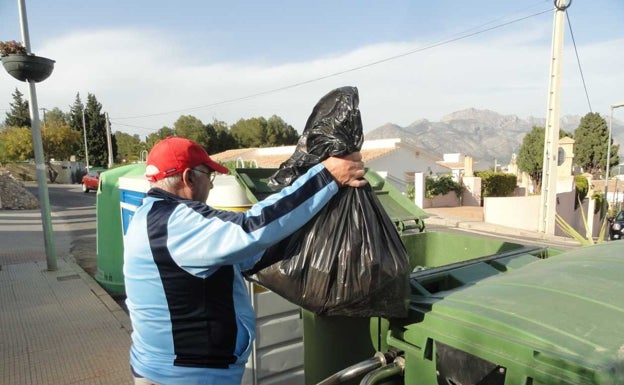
x=483 y=134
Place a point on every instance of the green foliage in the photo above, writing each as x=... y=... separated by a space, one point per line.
x=11 y=47
x=258 y=132
x=441 y=185
x=154 y=137
x=19 y=114
x=250 y=132
x=586 y=240
x=16 y=144
x=54 y=118
x=531 y=154
x=89 y=121
x=59 y=140
x=581 y=187
x=280 y=133
x=188 y=126
x=600 y=202
x=129 y=147
x=74 y=119
x=590 y=148
x=95 y=122
x=411 y=192
x=224 y=139
x=496 y=184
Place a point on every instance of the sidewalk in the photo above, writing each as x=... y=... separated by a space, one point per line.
x=471 y=218
x=58 y=327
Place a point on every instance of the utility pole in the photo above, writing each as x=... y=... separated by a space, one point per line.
x=606 y=200
x=548 y=199
x=84 y=130
x=44 y=114
x=109 y=142
x=48 y=233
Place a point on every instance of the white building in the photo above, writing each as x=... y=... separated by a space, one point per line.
x=393 y=159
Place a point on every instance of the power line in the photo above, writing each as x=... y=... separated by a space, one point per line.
x=130 y=125
x=279 y=89
x=579 y=62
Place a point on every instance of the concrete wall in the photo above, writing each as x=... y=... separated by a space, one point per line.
x=447 y=200
x=518 y=212
x=472 y=191
x=67 y=172
x=523 y=213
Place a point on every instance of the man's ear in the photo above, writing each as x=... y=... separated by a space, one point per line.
x=188 y=177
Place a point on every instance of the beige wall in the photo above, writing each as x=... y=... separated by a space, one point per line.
x=518 y=212
x=447 y=200
x=472 y=191
x=523 y=213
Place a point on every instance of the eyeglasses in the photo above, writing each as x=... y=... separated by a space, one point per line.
x=211 y=174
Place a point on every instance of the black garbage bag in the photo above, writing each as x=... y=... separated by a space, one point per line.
x=348 y=260
x=333 y=129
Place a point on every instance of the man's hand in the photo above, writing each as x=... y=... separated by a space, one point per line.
x=347 y=171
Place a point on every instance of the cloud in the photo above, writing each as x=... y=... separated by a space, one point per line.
x=143 y=73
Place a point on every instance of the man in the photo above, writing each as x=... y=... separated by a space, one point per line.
x=191 y=315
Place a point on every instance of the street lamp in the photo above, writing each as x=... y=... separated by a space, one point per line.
x=613 y=107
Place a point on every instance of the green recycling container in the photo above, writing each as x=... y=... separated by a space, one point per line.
x=109 y=230
x=557 y=321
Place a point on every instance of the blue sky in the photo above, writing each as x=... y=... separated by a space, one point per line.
x=148 y=62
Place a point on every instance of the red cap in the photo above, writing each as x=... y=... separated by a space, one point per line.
x=173 y=155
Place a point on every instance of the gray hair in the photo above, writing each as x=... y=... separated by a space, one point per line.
x=171 y=182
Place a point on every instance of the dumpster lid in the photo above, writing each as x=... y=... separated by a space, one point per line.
x=402 y=211
x=561 y=312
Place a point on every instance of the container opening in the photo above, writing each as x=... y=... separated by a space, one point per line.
x=441 y=282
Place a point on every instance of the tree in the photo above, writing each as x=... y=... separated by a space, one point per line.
x=129 y=147
x=59 y=140
x=280 y=133
x=74 y=119
x=16 y=144
x=531 y=154
x=19 y=115
x=189 y=127
x=225 y=140
x=95 y=120
x=161 y=134
x=590 y=147
x=250 y=132
x=54 y=118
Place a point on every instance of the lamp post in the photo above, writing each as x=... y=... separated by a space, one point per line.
x=46 y=217
x=613 y=107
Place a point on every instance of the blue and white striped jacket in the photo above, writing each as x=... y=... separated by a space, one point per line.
x=191 y=315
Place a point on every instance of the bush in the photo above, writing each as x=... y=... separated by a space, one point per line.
x=441 y=185
x=496 y=184
x=581 y=187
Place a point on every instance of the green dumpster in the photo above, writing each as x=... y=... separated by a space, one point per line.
x=109 y=228
x=556 y=321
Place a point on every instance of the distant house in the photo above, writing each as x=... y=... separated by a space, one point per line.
x=394 y=160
